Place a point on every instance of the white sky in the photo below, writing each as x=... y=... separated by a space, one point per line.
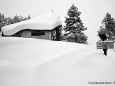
x=93 y=11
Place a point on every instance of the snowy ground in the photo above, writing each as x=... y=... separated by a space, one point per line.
x=34 y=62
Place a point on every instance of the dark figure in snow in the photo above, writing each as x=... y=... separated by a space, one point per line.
x=103 y=38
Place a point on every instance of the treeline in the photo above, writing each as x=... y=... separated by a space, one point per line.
x=8 y=20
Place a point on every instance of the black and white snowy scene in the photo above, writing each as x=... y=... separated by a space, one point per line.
x=57 y=43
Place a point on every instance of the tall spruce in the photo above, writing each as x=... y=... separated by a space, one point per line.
x=74 y=27
x=108 y=27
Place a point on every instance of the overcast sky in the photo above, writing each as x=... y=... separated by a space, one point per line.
x=93 y=11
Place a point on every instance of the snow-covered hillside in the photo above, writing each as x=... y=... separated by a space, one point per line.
x=34 y=62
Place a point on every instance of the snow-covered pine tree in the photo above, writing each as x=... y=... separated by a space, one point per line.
x=108 y=27
x=74 y=27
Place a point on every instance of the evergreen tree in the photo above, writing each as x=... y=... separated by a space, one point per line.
x=17 y=19
x=2 y=20
x=108 y=26
x=74 y=26
x=9 y=21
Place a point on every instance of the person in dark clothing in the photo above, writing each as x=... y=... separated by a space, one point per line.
x=103 y=38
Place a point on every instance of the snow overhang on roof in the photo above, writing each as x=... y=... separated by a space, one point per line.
x=44 y=22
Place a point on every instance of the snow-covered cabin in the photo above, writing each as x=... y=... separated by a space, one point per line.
x=42 y=27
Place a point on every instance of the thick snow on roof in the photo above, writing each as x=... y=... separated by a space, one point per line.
x=35 y=62
x=44 y=22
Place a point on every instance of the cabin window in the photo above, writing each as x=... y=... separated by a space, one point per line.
x=36 y=33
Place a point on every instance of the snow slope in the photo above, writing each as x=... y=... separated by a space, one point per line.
x=34 y=62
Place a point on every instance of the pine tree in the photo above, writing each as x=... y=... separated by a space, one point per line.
x=74 y=26
x=16 y=19
x=2 y=20
x=108 y=26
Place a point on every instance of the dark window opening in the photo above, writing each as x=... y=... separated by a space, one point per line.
x=34 y=33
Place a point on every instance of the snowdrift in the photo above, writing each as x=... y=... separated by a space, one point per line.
x=34 y=62
x=44 y=22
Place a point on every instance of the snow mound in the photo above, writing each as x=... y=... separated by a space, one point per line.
x=33 y=50
x=34 y=62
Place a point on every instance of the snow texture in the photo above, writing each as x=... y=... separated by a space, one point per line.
x=35 y=62
x=44 y=22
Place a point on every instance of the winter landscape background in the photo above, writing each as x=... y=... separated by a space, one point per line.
x=93 y=11
x=35 y=62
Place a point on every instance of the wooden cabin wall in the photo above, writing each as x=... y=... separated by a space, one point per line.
x=56 y=34
x=28 y=34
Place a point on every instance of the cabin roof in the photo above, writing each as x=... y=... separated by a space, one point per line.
x=44 y=22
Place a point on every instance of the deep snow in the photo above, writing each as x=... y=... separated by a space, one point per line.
x=34 y=62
